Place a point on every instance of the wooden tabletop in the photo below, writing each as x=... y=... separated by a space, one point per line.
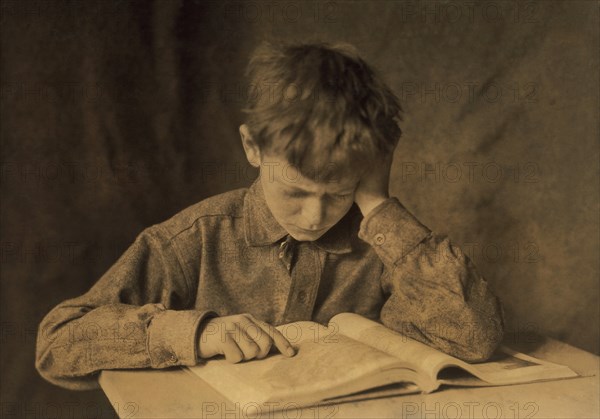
x=175 y=393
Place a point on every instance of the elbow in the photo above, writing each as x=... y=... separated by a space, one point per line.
x=480 y=339
x=44 y=359
x=55 y=362
x=483 y=331
x=471 y=336
x=481 y=349
x=47 y=365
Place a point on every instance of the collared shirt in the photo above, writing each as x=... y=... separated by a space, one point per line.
x=226 y=255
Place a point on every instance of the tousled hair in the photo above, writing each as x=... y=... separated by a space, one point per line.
x=321 y=106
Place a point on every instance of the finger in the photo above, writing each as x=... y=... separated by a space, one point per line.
x=280 y=342
x=231 y=350
x=258 y=336
x=249 y=348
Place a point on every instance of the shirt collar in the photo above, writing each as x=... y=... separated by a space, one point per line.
x=261 y=228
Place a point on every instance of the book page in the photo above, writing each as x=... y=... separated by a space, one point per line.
x=504 y=367
x=324 y=362
x=507 y=366
x=420 y=356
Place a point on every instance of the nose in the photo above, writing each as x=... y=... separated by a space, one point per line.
x=313 y=213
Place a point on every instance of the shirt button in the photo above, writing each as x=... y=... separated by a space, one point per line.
x=173 y=359
x=379 y=239
x=302 y=297
x=281 y=254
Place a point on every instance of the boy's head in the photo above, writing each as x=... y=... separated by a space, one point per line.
x=318 y=117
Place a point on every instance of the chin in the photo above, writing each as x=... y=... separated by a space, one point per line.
x=306 y=236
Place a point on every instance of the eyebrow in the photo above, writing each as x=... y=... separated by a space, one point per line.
x=340 y=192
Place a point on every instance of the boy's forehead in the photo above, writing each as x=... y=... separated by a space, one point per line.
x=310 y=178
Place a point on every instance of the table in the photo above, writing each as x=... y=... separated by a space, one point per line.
x=175 y=393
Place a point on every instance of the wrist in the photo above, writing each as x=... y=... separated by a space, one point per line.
x=203 y=349
x=367 y=203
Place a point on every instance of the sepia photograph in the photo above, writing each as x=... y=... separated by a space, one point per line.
x=300 y=209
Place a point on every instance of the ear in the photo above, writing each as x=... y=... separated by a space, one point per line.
x=250 y=147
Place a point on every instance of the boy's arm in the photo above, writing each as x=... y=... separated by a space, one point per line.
x=435 y=294
x=135 y=316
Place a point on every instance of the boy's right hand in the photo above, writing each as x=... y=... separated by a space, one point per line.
x=240 y=337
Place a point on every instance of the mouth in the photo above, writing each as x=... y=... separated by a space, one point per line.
x=310 y=231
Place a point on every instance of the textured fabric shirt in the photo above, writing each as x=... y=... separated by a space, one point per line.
x=227 y=255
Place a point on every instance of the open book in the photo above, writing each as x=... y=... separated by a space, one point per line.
x=352 y=355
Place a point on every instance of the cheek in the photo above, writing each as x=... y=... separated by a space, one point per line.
x=336 y=211
x=284 y=208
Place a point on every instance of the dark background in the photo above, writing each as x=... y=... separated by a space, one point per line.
x=116 y=115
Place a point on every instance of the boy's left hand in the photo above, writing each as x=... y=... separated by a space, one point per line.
x=373 y=187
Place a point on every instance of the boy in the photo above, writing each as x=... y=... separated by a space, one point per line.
x=315 y=235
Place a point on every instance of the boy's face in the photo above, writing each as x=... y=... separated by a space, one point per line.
x=306 y=209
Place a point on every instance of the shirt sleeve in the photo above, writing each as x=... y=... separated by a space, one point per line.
x=434 y=292
x=136 y=316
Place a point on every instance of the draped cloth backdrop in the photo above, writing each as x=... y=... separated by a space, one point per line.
x=118 y=114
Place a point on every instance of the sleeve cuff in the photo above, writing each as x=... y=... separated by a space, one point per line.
x=392 y=231
x=172 y=337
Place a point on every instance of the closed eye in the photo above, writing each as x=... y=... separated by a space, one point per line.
x=342 y=196
x=302 y=194
x=296 y=194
